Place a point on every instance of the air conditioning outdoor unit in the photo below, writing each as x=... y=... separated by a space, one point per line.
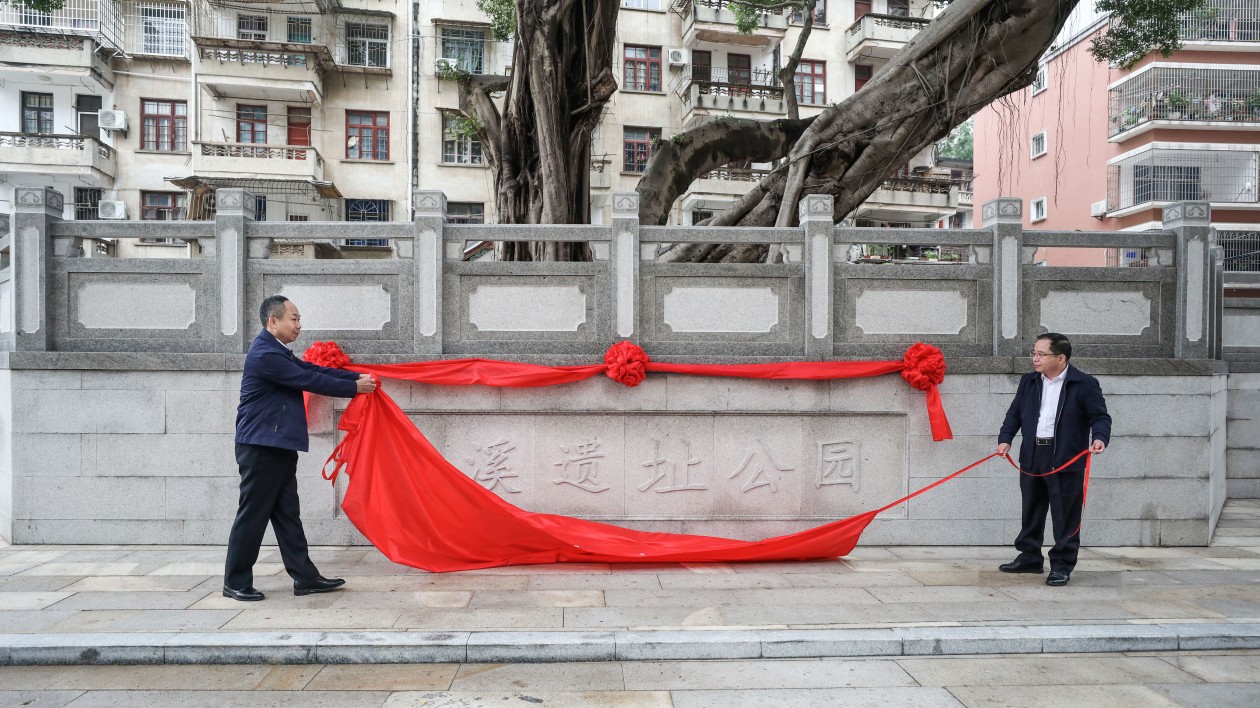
x=676 y=57
x=112 y=120
x=112 y=210
x=446 y=64
x=1098 y=208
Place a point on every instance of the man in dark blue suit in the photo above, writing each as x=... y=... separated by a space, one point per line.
x=270 y=431
x=1058 y=407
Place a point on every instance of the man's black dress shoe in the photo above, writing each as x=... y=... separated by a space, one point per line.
x=1017 y=567
x=316 y=584
x=248 y=594
x=1058 y=578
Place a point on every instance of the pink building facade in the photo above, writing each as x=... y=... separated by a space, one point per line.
x=1092 y=147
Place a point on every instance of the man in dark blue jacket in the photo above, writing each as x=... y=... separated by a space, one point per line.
x=270 y=430
x=1057 y=407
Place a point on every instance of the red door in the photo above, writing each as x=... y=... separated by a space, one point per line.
x=299 y=130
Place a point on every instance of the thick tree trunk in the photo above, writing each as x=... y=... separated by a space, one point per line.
x=973 y=53
x=539 y=144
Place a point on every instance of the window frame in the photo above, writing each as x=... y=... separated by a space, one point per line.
x=816 y=76
x=1033 y=217
x=367 y=45
x=254 y=122
x=251 y=33
x=163 y=32
x=382 y=212
x=41 y=113
x=645 y=64
x=463 y=46
x=475 y=213
x=176 y=131
x=458 y=144
x=293 y=22
x=377 y=135
x=860 y=81
x=177 y=206
x=644 y=145
x=1032 y=145
x=1041 y=81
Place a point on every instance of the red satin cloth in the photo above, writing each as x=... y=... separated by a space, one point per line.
x=422 y=511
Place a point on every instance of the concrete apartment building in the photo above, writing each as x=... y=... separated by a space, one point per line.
x=333 y=110
x=1096 y=147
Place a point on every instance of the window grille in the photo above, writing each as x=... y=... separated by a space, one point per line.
x=1242 y=250
x=162 y=30
x=367 y=44
x=299 y=30
x=87 y=202
x=1160 y=175
x=1185 y=95
x=467 y=46
x=251 y=27
x=367 y=210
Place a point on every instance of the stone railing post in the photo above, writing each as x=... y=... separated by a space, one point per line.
x=623 y=262
x=429 y=219
x=234 y=212
x=817 y=217
x=1191 y=223
x=35 y=209
x=1006 y=217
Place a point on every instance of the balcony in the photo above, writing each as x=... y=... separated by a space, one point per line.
x=914 y=200
x=246 y=160
x=879 y=37
x=156 y=29
x=1172 y=97
x=711 y=21
x=277 y=54
x=1224 y=24
x=705 y=89
x=98 y=20
x=1155 y=177
x=76 y=155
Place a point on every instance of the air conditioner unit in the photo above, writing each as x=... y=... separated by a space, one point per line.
x=1098 y=208
x=112 y=210
x=112 y=120
x=446 y=64
x=676 y=57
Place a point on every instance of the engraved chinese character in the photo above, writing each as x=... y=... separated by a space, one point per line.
x=838 y=464
x=494 y=467
x=755 y=460
x=662 y=467
x=581 y=467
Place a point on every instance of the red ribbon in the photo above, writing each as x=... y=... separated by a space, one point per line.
x=1060 y=468
x=923 y=367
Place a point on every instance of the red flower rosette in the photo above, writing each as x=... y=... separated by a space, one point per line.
x=627 y=363
x=326 y=354
x=925 y=366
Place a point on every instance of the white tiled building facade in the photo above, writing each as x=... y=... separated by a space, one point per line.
x=334 y=109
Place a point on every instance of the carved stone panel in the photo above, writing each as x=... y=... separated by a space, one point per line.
x=911 y=312
x=1075 y=312
x=341 y=307
x=527 y=308
x=720 y=309
x=113 y=305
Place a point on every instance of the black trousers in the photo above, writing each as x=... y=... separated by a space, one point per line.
x=1063 y=495
x=268 y=493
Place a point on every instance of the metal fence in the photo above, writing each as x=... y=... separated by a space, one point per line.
x=1190 y=94
x=1162 y=176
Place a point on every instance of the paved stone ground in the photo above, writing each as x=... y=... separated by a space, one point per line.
x=1195 y=602
x=1216 y=679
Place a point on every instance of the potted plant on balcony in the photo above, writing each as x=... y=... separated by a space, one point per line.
x=1253 y=100
x=930 y=254
x=1178 y=101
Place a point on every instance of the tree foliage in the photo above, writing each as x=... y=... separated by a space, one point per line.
x=959 y=143
x=1139 y=27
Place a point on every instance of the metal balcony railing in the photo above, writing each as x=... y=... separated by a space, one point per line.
x=1222 y=21
x=97 y=19
x=1242 y=250
x=156 y=28
x=685 y=8
x=721 y=81
x=735 y=174
x=1155 y=176
x=1193 y=95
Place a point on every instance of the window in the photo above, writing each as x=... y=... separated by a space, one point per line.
x=367 y=135
x=251 y=124
x=739 y=72
x=163 y=125
x=162 y=30
x=251 y=27
x=642 y=4
x=642 y=70
x=87 y=201
x=367 y=210
x=820 y=13
x=299 y=129
x=1037 y=212
x=1039 y=82
x=811 y=82
x=1166 y=183
x=87 y=110
x=36 y=18
x=699 y=215
x=466 y=46
x=260 y=207
x=458 y=147
x=367 y=44
x=37 y=112
x=861 y=7
x=861 y=74
x=701 y=65
x=465 y=213
x=161 y=206
x=299 y=30
x=637 y=147
x=899 y=8
x=1039 y=144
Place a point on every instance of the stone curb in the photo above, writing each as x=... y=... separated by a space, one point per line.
x=561 y=646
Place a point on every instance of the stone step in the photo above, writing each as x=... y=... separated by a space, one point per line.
x=348 y=647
